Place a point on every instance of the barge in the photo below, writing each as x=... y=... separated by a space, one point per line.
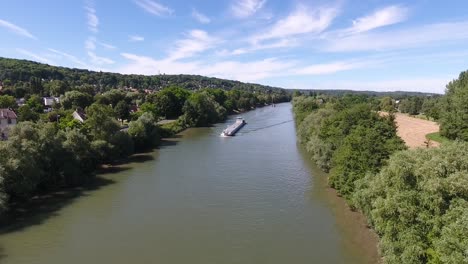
x=234 y=128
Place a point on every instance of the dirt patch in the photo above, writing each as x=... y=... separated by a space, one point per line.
x=414 y=130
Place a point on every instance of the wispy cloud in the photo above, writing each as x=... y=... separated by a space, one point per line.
x=135 y=38
x=69 y=57
x=107 y=45
x=333 y=67
x=97 y=60
x=426 y=35
x=154 y=7
x=90 y=43
x=93 y=20
x=302 y=21
x=246 y=8
x=16 y=29
x=200 y=17
x=196 y=41
x=35 y=56
x=383 y=17
x=243 y=71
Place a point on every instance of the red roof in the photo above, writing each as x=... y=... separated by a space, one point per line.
x=7 y=113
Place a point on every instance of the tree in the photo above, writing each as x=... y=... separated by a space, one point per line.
x=101 y=121
x=122 y=111
x=25 y=113
x=387 y=104
x=36 y=104
x=144 y=132
x=201 y=109
x=76 y=99
x=7 y=101
x=454 y=109
x=417 y=204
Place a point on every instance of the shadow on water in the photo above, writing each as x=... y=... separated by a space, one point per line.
x=40 y=208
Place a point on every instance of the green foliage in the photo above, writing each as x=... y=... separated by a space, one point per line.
x=25 y=113
x=122 y=110
x=411 y=105
x=303 y=106
x=35 y=104
x=454 y=109
x=417 y=204
x=387 y=104
x=169 y=101
x=7 y=101
x=145 y=132
x=201 y=109
x=101 y=121
x=76 y=99
x=436 y=136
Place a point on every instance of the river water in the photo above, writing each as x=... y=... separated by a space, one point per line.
x=202 y=198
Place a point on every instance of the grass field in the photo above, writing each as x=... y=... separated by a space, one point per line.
x=437 y=137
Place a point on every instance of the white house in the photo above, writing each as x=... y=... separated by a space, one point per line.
x=8 y=119
x=79 y=115
x=49 y=101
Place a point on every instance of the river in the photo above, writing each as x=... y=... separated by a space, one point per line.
x=202 y=198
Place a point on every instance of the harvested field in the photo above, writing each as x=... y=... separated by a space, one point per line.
x=414 y=130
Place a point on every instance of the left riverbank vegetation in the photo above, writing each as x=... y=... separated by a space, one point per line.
x=99 y=118
x=416 y=200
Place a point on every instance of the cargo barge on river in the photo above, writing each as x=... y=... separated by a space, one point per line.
x=234 y=128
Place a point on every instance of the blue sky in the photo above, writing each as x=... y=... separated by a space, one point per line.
x=377 y=45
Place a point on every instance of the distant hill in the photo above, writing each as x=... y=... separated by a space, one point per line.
x=17 y=73
x=14 y=72
x=395 y=94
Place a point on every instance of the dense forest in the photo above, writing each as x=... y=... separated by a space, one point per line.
x=416 y=200
x=21 y=76
x=50 y=148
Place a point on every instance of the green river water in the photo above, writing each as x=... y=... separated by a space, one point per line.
x=200 y=198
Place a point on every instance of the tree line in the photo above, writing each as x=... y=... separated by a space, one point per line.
x=416 y=200
x=21 y=77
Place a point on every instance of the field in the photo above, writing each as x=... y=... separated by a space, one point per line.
x=414 y=130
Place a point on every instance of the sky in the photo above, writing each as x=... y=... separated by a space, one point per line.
x=377 y=45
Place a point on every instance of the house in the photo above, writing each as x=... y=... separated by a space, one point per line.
x=20 y=102
x=49 y=101
x=8 y=119
x=79 y=115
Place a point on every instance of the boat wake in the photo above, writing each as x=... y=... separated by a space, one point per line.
x=266 y=127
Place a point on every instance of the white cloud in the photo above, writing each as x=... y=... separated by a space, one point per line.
x=427 y=35
x=380 y=18
x=69 y=56
x=246 y=8
x=197 y=41
x=200 y=17
x=301 y=21
x=154 y=7
x=107 y=45
x=90 y=43
x=93 y=20
x=35 y=56
x=135 y=38
x=282 y=43
x=16 y=29
x=243 y=71
x=97 y=60
x=333 y=67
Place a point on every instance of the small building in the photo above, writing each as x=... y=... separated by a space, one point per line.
x=79 y=115
x=8 y=119
x=20 y=102
x=49 y=101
